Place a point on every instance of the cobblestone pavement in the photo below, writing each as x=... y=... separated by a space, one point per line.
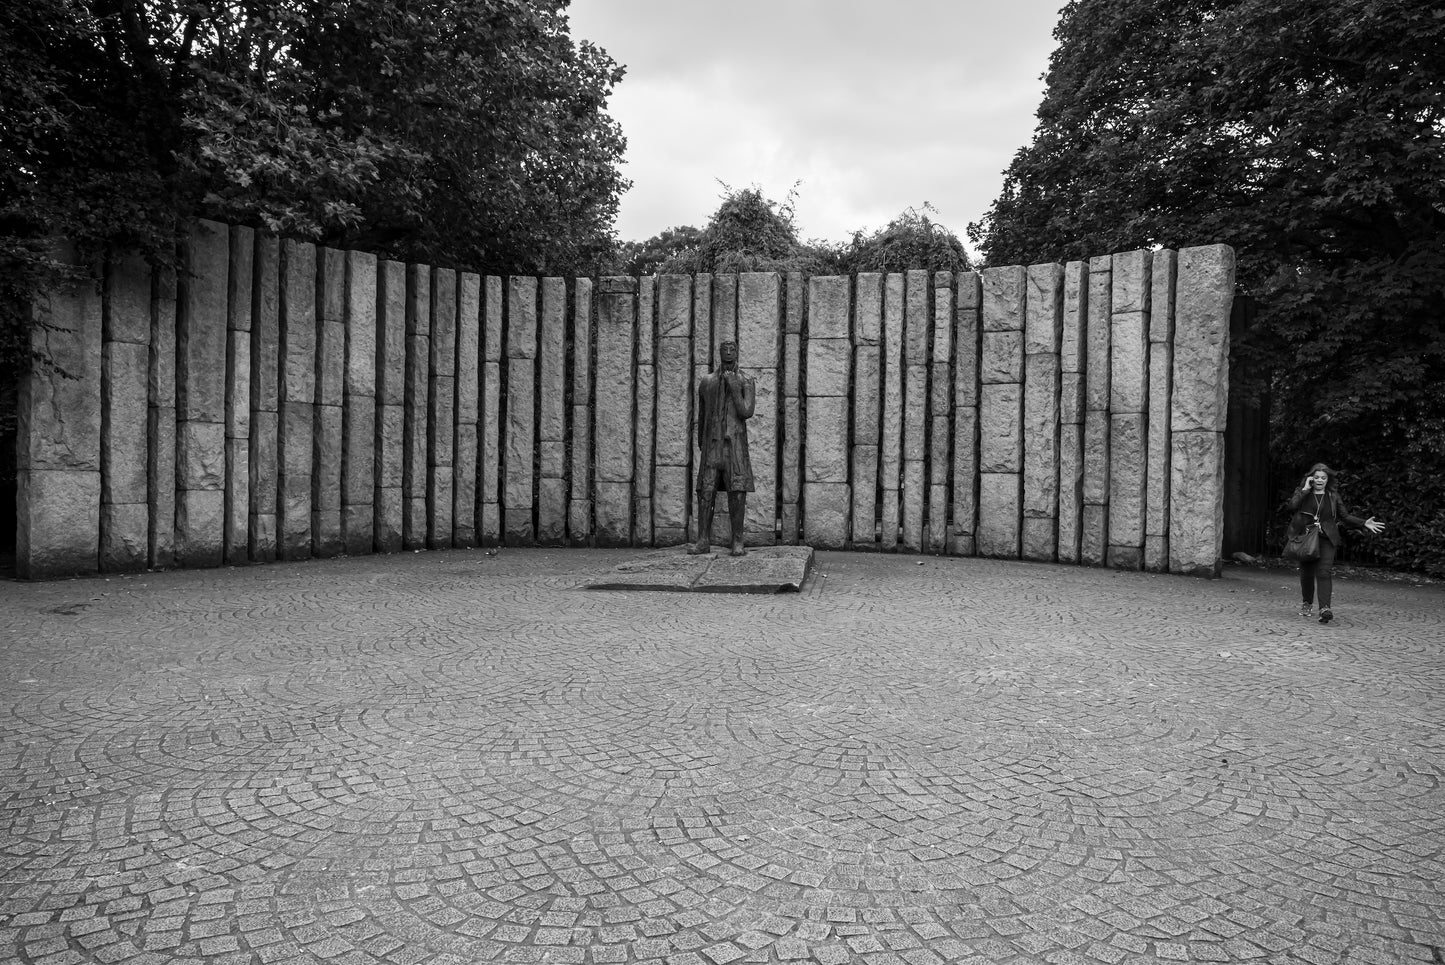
x=455 y=757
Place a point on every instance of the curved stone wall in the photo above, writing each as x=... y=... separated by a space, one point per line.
x=280 y=400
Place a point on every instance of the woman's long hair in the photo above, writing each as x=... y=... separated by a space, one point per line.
x=1330 y=480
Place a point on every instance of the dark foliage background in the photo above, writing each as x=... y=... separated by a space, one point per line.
x=1310 y=135
x=470 y=133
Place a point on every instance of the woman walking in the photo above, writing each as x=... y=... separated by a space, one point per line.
x=1317 y=501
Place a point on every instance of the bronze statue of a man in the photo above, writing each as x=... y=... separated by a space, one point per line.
x=725 y=400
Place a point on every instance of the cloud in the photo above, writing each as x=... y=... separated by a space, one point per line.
x=873 y=112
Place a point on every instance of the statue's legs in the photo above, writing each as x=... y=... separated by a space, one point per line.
x=737 y=509
x=704 y=524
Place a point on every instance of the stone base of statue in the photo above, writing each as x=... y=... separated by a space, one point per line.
x=765 y=569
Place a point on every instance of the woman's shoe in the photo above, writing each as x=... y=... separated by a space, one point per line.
x=1326 y=614
x=1306 y=609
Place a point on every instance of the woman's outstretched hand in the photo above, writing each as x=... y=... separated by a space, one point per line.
x=1374 y=525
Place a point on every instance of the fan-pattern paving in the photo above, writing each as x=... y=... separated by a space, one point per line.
x=459 y=757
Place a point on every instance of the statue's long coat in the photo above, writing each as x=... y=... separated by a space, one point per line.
x=719 y=420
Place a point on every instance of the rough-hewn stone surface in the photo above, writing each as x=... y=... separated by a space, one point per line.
x=201 y=383
x=1073 y=330
x=123 y=536
x=614 y=453
x=915 y=495
x=1001 y=357
x=326 y=482
x=1000 y=428
x=579 y=503
x=826 y=510
x=1096 y=457
x=1040 y=538
x=1130 y=288
x=58 y=447
x=1202 y=304
x=1096 y=335
x=57 y=518
x=1004 y=297
x=644 y=412
x=1129 y=362
x=1127 y=440
x=760 y=320
x=890 y=450
x=1156 y=497
x=826 y=458
x=1163 y=279
x=1041 y=436
x=1196 y=531
x=1043 y=314
x=1071 y=494
x=998 y=514
x=350 y=389
x=124 y=366
x=864 y=496
x=1094 y=535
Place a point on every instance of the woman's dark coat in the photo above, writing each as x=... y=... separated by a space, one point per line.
x=1302 y=504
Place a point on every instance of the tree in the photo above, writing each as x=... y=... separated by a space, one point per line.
x=1308 y=134
x=750 y=232
x=470 y=133
x=648 y=257
x=911 y=240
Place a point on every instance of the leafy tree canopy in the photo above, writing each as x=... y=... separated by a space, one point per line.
x=1308 y=134
x=464 y=132
x=750 y=232
x=911 y=240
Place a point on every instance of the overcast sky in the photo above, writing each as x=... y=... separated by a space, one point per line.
x=874 y=107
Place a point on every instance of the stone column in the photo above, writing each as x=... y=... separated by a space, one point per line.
x=1204 y=295
x=827 y=505
x=968 y=300
x=296 y=434
x=616 y=320
x=890 y=446
x=759 y=335
x=1001 y=373
x=442 y=411
x=124 y=447
x=161 y=423
x=724 y=327
x=1094 y=531
x=645 y=413
x=915 y=407
x=359 y=407
x=1164 y=269
x=489 y=481
x=940 y=443
x=468 y=387
x=519 y=484
x=579 y=508
x=790 y=460
x=701 y=364
x=867 y=333
x=1128 y=416
x=391 y=397
x=552 y=415
x=266 y=359
x=201 y=342
x=1043 y=332
x=672 y=487
x=58 y=452
x=238 y=394
x=326 y=537
x=1074 y=337
x=415 y=407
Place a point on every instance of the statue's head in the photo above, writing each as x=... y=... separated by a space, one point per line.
x=728 y=351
